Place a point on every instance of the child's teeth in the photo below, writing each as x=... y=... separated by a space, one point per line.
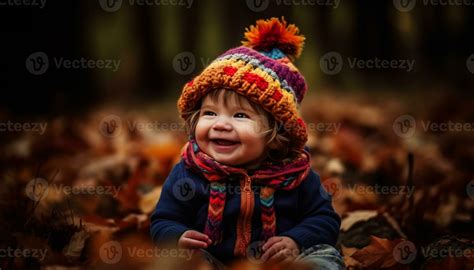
x=224 y=142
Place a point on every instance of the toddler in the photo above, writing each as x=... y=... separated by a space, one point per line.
x=244 y=186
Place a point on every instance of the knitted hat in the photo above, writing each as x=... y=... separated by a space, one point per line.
x=260 y=70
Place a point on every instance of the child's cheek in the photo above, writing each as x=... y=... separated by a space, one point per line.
x=200 y=133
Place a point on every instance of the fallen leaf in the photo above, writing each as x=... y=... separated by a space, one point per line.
x=148 y=201
x=76 y=244
x=379 y=253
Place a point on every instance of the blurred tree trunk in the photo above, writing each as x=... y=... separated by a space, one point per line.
x=150 y=70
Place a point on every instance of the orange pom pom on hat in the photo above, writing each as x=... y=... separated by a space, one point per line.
x=261 y=70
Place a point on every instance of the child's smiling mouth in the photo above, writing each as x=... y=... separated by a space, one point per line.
x=224 y=145
x=224 y=142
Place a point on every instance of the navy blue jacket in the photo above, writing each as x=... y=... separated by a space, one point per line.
x=305 y=213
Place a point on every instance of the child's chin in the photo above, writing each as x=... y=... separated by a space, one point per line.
x=225 y=161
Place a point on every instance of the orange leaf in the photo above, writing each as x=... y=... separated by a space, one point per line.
x=379 y=253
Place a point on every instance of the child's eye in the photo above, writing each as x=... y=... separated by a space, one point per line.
x=208 y=113
x=241 y=115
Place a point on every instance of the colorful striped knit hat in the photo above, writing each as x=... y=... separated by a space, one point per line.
x=260 y=70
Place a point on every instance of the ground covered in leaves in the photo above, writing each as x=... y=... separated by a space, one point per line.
x=82 y=192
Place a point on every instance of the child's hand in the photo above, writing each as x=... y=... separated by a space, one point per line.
x=194 y=240
x=280 y=249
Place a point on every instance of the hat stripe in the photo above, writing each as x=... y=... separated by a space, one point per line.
x=295 y=79
x=257 y=64
x=260 y=82
x=242 y=65
x=230 y=70
x=288 y=97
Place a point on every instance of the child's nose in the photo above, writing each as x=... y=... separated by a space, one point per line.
x=223 y=124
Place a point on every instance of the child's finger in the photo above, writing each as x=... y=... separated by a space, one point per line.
x=191 y=243
x=197 y=236
x=272 y=250
x=270 y=242
x=279 y=256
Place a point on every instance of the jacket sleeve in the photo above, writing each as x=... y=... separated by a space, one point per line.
x=174 y=212
x=319 y=223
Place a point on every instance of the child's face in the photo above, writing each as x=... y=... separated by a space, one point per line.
x=230 y=133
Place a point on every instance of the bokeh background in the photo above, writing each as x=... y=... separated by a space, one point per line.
x=116 y=129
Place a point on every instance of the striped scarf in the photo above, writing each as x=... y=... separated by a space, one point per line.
x=270 y=176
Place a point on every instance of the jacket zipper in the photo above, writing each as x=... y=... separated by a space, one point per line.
x=248 y=211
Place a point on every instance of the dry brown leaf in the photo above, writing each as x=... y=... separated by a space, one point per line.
x=76 y=244
x=349 y=261
x=379 y=253
x=148 y=201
